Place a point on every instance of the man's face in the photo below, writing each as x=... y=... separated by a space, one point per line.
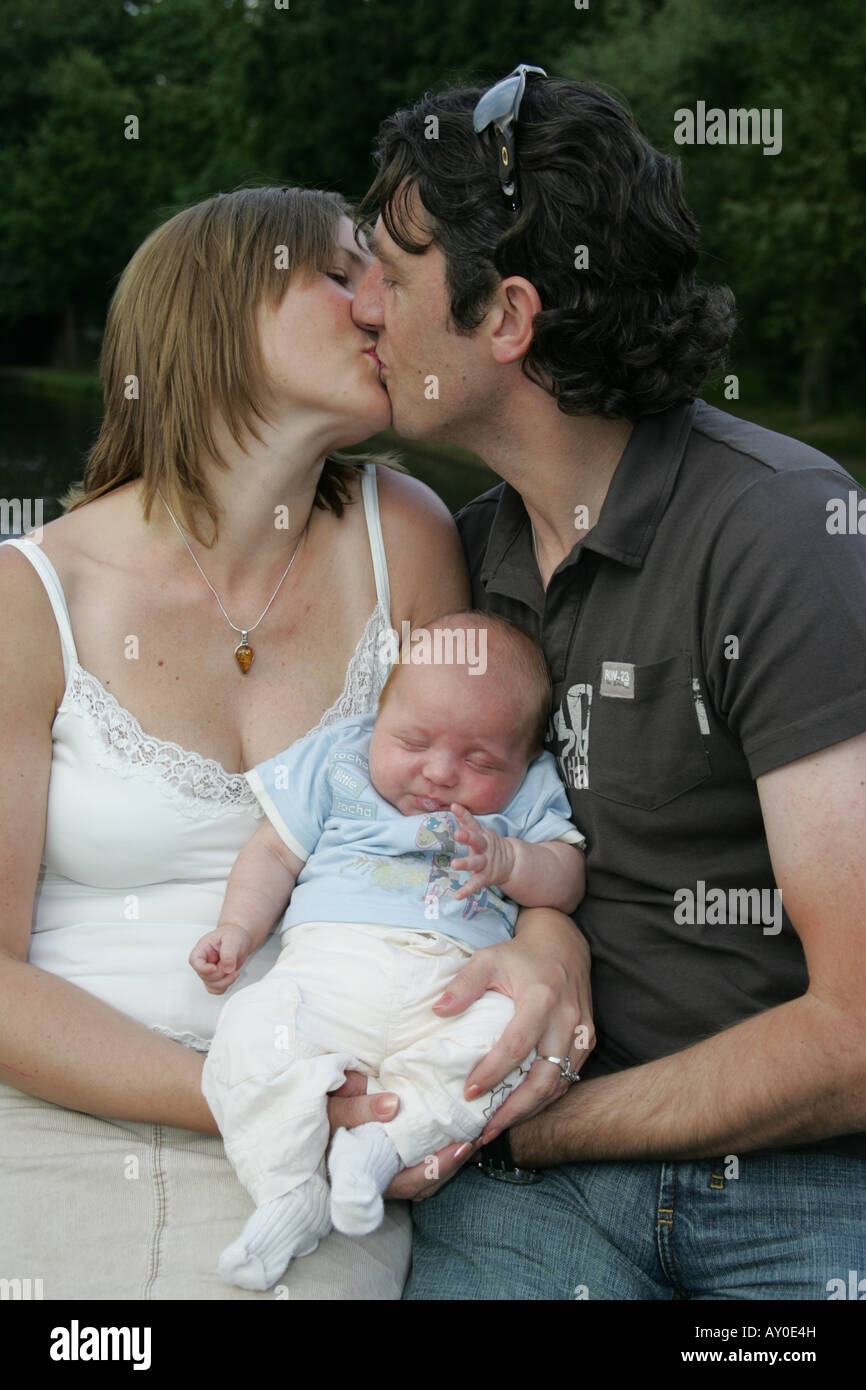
x=436 y=378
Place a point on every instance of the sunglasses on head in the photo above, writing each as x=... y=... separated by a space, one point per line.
x=499 y=108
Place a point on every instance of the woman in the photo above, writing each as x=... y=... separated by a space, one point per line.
x=219 y=582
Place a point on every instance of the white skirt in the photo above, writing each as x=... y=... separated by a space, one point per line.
x=112 y=1209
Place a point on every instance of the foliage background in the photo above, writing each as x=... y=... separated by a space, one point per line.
x=233 y=91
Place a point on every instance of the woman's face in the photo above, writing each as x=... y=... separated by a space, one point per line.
x=317 y=361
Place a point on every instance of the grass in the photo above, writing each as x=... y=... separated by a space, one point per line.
x=55 y=382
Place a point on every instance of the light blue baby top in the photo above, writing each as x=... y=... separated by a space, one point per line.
x=365 y=862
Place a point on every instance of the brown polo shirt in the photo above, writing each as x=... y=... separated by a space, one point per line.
x=709 y=628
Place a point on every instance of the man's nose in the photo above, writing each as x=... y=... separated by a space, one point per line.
x=367 y=304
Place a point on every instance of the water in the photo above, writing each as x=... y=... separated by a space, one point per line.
x=47 y=430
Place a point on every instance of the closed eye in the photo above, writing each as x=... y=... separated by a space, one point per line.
x=339 y=275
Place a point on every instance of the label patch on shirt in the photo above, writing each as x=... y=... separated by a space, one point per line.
x=358 y=810
x=617 y=680
x=346 y=780
x=346 y=755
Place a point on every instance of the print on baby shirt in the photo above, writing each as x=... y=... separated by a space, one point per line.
x=361 y=855
x=430 y=872
x=348 y=774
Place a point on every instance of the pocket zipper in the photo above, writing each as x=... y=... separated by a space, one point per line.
x=700 y=709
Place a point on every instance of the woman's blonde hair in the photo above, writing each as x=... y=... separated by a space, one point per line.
x=181 y=344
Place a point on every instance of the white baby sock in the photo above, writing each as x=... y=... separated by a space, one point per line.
x=275 y=1233
x=361 y=1163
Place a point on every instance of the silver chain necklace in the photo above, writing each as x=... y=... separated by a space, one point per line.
x=244 y=654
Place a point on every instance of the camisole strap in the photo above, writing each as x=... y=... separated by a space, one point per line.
x=370 y=493
x=56 y=597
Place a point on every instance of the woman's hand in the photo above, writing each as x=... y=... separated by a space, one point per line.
x=545 y=970
x=350 y=1106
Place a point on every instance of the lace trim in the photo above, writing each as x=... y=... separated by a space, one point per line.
x=191 y=1040
x=130 y=749
x=365 y=675
x=203 y=784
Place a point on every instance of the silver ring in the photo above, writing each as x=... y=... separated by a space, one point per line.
x=565 y=1072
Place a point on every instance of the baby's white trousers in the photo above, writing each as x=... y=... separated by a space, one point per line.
x=349 y=997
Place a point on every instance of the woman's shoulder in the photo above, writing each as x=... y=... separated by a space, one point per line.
x=34 y=655
x=30 y=598
x=405 y=500
x=425 y=560
x=89 y=534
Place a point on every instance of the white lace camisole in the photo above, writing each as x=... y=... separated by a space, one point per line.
x=141 y=834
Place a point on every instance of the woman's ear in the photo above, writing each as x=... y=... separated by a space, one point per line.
x=513 y=311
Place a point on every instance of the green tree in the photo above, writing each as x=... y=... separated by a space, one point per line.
x=785 y=230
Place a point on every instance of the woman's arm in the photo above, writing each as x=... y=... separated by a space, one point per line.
x=56 y=1040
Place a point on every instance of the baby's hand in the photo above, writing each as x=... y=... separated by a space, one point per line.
x=219 y=956
x=489 y=857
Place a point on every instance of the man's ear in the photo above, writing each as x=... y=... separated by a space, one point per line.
x=512 y=312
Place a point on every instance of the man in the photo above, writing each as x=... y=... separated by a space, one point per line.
x=700 y=593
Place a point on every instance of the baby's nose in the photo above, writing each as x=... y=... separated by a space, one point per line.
x=441 y=769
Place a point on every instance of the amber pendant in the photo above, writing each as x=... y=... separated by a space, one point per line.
x=244 y=654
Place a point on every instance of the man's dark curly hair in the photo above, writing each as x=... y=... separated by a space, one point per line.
x=632 y=334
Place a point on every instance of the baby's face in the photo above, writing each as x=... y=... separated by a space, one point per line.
x=444 y=736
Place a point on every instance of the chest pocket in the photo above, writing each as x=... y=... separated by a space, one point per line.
x=647 y=749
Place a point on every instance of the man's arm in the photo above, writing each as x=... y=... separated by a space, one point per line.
x=792 y=1074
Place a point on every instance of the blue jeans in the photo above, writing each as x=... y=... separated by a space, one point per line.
x=783 y=1228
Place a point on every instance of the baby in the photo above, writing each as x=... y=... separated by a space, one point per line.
x=364 y=821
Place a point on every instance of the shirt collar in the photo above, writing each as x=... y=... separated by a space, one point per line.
x=637 y=497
